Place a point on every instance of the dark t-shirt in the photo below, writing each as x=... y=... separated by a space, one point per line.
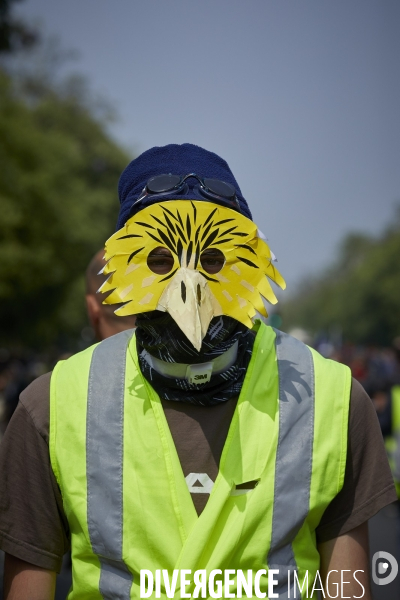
x=33 y=525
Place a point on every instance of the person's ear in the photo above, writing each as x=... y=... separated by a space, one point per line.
x=93 y=310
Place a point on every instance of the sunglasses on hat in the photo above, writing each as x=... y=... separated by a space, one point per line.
x=160 y=186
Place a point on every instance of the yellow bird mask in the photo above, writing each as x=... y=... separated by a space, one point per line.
x=191 y=292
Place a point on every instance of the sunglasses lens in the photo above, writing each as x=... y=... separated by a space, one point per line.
x=220 y=188
x=162 y=183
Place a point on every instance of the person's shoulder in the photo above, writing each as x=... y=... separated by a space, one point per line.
x=73 y=364
x=114 y=342
x=35 y=398
x=300 y=343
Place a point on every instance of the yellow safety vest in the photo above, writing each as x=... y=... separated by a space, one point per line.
x=392 y=442
x=124 y=492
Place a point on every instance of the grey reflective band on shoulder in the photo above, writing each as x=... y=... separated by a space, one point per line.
x=294 y=455
x=104 y=456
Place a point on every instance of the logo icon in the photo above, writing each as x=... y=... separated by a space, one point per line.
x=384 y=568
x=199 y=483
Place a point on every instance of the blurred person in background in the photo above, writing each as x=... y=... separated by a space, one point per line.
x=16 y=373
x=385 y=395
x=396 y=370
x=395 y=399
x=379 y=392
x=102 y=317
x=15 y=378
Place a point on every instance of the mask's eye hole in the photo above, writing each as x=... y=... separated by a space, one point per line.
x=160 y=261
x=212 y=260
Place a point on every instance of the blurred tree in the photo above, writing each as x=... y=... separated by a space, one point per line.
x=14 y=34
x=58 y=204
x=358 y=295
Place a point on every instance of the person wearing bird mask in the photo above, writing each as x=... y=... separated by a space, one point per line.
x=205 y=443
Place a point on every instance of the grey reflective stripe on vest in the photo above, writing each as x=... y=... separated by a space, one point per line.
x=104 y=456
x=294 y=455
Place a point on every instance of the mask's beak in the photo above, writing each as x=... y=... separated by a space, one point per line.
x=190 y=302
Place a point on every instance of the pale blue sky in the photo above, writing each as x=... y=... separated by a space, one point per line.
x=301 y=97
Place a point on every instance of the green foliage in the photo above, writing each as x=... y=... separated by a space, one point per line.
x=13 y=33
x=359 y=295
x=58 y=204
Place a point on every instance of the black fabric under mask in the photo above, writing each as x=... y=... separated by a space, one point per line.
x=160 y=336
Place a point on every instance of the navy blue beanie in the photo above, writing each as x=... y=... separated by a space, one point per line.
x=178 y=160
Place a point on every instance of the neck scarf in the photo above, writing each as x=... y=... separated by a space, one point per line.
x=160 y=336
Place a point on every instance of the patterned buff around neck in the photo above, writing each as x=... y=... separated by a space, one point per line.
x=160 y=336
